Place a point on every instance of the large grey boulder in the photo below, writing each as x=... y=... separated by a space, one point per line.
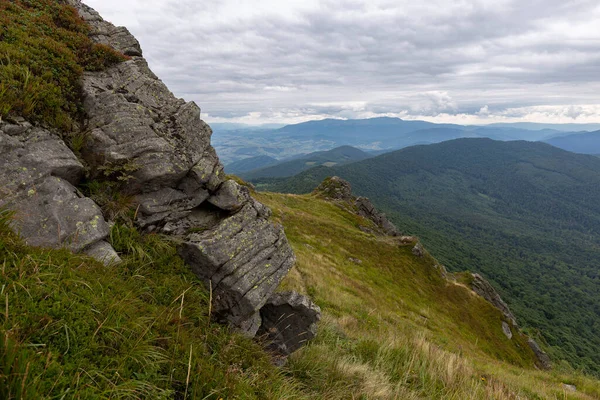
x=289 y=320
x=138 y=129
x=38 y=173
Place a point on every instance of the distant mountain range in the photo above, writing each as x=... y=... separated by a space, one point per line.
x=249 y=164
x=375 y=134
x=525 y=214
x=338 y=156
x=583 y=142
x=557 y=127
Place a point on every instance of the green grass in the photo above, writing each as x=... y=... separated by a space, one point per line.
x=71 y=328
x=392 y=327
x=44 y=49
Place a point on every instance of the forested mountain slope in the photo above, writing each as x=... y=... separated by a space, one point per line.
x=339 y=155
x=582 y=142
x=526 y=215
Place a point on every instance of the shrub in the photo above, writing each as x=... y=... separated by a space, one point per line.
x=44 y=49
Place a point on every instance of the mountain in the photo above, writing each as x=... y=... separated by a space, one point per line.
x=582 y=142
x=226 y=126
x=525 y=214
x=375 y=134
x=134 y=268
x=249 y=164
x=556 y=127
x=337 y=156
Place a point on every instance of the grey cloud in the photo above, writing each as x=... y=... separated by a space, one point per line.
x=412 y=58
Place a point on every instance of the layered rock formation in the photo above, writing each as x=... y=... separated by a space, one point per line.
x=137 y=129
x=134 y=121
x=38 y=174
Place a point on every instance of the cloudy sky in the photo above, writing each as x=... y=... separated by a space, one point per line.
x=286 y=61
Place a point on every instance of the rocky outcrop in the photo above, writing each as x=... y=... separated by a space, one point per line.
x=418 y=250
x=367 y=210
x=138 y=129
x=340 y=190
x=289 y=320
x=335 y=188
x=483 y=288
x=542 y=357
x=38 y=173
x=244 y=257
x=506 y=330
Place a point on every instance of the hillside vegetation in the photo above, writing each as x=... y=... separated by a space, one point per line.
x=392 y=327
x=249 y=164
x=526 y=215
x=44 y=49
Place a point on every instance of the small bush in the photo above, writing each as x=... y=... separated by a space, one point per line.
x=44 y=49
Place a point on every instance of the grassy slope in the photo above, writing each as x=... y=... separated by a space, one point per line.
x=72 y=329
x=393 y=328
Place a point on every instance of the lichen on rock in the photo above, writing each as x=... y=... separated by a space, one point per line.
x=38 y=173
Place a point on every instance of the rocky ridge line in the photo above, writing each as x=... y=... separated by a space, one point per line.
x=340 y=190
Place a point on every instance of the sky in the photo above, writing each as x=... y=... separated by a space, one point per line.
x=289 y=61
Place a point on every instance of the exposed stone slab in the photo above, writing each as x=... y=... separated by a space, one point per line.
x=542 y=358
x=506 y=330
x=103 y=252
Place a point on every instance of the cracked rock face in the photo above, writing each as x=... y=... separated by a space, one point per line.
x=289 y=320
x=244 y=257
x=38 y=173
x=137 y=126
